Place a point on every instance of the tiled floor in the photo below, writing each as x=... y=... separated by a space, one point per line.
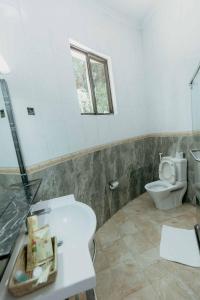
x=128 y=264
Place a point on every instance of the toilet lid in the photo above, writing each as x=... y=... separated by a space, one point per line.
x=167 y=170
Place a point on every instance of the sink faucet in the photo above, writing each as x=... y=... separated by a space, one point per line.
x=40 y=212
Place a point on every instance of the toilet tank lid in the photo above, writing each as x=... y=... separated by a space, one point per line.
x=167 y=170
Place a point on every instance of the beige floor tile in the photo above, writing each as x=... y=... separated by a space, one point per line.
x=189 y=277
x=151 y=231
x=146 y=293
x=185 y=208
x=158 y=270
x=108 y=234
x=117 y=253
x=130 y=276
x=128 y=264
x=158 y=216
x=138 y=243
x=148 y=258
x=169 y=288
x=138 y=209
x=124 y=223
x=186 y=221
x=120 y=217
x=136 y=220
x=97 y=241
x=143 y=224
x=101 y=262
x=143 y=200
x=118 y=282
x=105 y=286
x=127 y=227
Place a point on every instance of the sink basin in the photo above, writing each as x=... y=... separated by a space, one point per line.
x=69 y=220
x=73 y=223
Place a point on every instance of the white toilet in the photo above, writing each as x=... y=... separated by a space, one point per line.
x=168 y=192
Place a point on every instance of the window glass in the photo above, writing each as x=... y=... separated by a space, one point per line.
x=100 y=86
x=92 y=82
x=82 y=81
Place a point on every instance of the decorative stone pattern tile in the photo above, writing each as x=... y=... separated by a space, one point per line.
x=15 y=203
x=88 y=178
x=133 y=163
x=9 y=179
x=129 y=266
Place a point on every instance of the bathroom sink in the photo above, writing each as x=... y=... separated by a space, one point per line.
x=74 y=225
x=69 y=220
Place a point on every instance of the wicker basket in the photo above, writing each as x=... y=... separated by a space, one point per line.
x=29 y=286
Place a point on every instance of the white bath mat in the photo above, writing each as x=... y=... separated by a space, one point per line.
x=180 y=245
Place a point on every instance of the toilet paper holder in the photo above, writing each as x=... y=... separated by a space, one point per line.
x=113 y=185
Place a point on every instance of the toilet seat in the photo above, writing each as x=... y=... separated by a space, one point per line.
x=163 y=186
x=167 y=170
x=158 y=186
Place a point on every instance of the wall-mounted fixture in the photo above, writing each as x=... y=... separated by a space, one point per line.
x=4 y=69
x=31 y=111
x=2 y=113
x=113 y=185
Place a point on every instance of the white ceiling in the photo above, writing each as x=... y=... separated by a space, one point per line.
x=136 y=9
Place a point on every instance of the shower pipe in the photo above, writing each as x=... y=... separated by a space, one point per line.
x=9 y=110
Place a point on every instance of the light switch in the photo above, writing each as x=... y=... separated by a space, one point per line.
x=2 y=113
x=31 y=111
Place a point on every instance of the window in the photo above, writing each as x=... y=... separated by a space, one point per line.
x=92 y=82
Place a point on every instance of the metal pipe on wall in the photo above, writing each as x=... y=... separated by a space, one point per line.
x=195 y=75
x=9 y=110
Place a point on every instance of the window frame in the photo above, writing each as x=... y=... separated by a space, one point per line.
x=89 y=55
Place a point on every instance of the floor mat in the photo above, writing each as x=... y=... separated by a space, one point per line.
x=180 y=245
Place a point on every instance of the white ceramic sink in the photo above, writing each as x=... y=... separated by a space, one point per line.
x=74 y=224
x=69 y=220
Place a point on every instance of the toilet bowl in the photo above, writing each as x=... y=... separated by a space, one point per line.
x=168 y=192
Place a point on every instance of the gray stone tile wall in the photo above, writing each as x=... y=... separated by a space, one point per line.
x=9 y=179
x=133 y=164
